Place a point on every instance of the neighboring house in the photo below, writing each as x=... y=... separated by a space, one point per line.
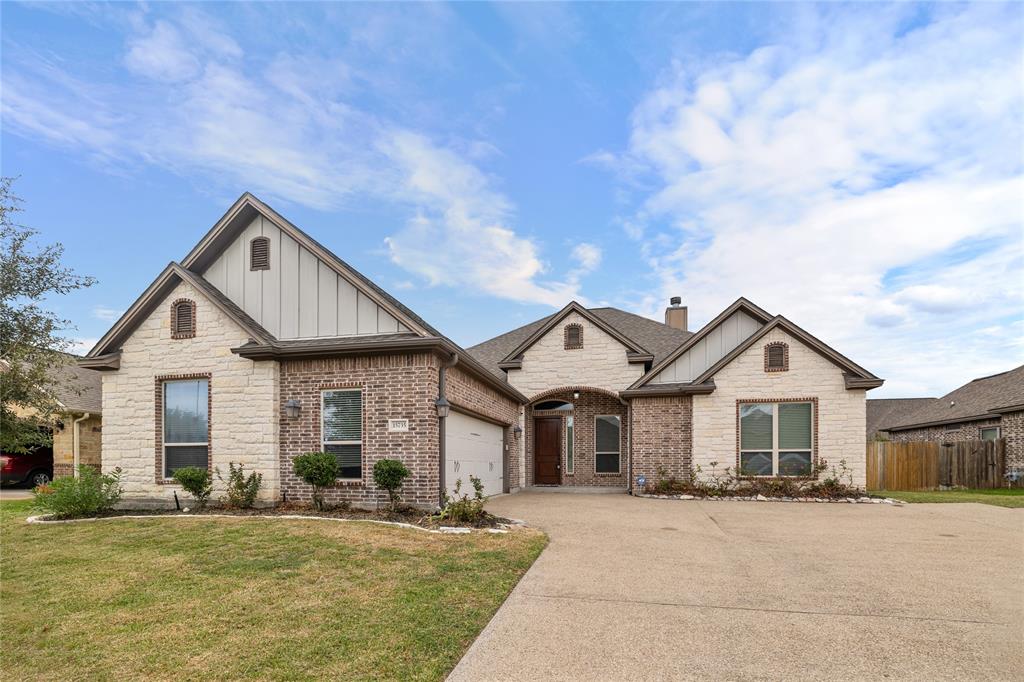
x=261 y=345
x=986 y=408
x=883 y=411
x=77 y=434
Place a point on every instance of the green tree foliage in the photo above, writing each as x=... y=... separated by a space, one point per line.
x=390 y=474
x=319 y=470
x=32 y=345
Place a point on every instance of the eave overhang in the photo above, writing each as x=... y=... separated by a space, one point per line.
x=669 y=389
x=102 y=363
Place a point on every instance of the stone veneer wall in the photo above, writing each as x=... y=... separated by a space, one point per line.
x=841 y=414
x=589 y=405
x=1011 y=427
x=601 y=363
x=662 y=437
x=90 y=433
x=244 y=400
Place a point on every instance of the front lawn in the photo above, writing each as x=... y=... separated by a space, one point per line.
x=1000 y=497
x=189 y=598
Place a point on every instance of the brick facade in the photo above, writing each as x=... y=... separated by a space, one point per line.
x=1011 y=427
x=586 y=408
x=662 y=437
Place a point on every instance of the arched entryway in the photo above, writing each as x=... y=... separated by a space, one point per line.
x=577 y=436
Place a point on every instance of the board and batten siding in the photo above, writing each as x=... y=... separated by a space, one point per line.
x=732 y=331
x=300 y=296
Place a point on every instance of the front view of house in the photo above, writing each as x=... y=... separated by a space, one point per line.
x=261 y=345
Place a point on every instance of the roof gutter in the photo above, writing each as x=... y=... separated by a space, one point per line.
x=676 y=389
x=102 y=363
x=939 y=422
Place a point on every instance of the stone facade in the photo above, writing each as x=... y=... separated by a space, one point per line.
x=600 y=363
x=90 y=433
x=1011 y=427
x=840 y=413
x=662 y=437
x=586 y=408
x=244 y=400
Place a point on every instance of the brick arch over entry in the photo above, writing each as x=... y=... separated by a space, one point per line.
x=554 y=392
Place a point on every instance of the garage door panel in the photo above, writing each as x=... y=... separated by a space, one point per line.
x=473 y=447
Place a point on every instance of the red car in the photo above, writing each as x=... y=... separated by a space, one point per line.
x=34 y=468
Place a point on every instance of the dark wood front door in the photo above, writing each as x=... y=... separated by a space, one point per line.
x=547 y=450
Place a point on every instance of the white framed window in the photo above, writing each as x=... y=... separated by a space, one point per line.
x=570 y=465
x=607 y=429
x=990 y=433
x=186 y=424
x=341 y=429
x=776 y=439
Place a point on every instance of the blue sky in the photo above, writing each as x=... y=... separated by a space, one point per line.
x=857 y=168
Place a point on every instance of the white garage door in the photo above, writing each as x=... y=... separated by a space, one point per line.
x=472 y=447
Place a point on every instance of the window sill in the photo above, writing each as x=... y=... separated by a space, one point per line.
x=348 y=482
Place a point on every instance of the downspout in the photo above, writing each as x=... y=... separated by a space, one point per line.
x=442 y=406
x=75 y=439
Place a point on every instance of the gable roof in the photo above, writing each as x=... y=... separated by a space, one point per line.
x=740 y=304
x=154 y=294
x=657 y=338
x=881 y=411
x=248 y=207
x=982 y=398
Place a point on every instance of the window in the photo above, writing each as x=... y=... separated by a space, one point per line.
x=569 y=465
x=259 y=254
x=342 y=429
x=183 y=319
x=776 y=357
x=186 y=424
x=606 y=452
x=990 y=433
x=573 y=336
x=776 y=439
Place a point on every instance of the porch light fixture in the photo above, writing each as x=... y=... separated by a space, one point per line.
x=292 y=408
x=443 y=406
x=517 y=430
x=575 y=395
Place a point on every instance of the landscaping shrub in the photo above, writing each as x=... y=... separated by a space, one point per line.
x=461 y=508
x=319 y=470
x=725 y=482
x=241 y=489
x=389 y=474
x=197 y=482
x=90 y=494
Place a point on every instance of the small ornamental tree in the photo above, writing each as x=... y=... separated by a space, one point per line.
x=197 y=482
x=390 y=474
x=319 y=470
x=241 y=489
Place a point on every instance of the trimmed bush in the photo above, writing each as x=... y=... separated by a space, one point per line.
x=197 y=482
x=390 y=474
x=91 y=494
x=319 y=470
x=461 y=508
x=241 y=489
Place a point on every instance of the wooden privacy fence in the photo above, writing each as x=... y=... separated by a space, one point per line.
x=923 y=465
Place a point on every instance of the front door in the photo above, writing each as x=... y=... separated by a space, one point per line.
x=547 y=450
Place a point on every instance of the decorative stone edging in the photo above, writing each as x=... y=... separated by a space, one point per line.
x=762 y=498
x=441 y=530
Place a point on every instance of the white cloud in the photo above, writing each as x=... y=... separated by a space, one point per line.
x=809 y=175
x=106 y=314
x=161 y=54
x=82 y=346
x=587 y=255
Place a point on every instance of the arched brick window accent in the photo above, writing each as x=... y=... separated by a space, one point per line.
x=259 y=254
x=573 y=336
x=776 y=357
x=183 y=319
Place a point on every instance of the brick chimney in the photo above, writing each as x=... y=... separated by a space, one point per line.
x=675 y=314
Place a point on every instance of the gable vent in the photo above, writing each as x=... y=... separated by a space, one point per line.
x=183 y=319
x=259 y=254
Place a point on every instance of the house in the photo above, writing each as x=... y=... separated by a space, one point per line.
x=261 y=345
x=983 y=409
x=883 y=411
x=77 y=434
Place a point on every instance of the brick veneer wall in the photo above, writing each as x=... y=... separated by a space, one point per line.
x=90 y=433
x=589 y=405
x=243 y=394
x=841 y=413
x=1011 y=427
x=466 y=391
x=662 y=437
x=401 y=386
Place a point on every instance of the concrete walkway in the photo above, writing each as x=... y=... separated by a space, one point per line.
x=661 y=589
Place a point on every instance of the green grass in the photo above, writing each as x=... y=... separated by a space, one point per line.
x=1001 y=497
x=230 y=599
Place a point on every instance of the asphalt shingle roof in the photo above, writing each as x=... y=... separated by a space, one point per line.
x=884 y=411
x=974 y=399
x=660 y=339
x=78 y=389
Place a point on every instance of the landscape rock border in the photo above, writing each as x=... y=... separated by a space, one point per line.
x=761 y=498
x=442 y=530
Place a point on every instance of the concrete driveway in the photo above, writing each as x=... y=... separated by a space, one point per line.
x=635 y=588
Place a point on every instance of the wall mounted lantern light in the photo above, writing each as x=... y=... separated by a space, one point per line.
x=292 y=408
x=443 y=406
x=517 y=430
